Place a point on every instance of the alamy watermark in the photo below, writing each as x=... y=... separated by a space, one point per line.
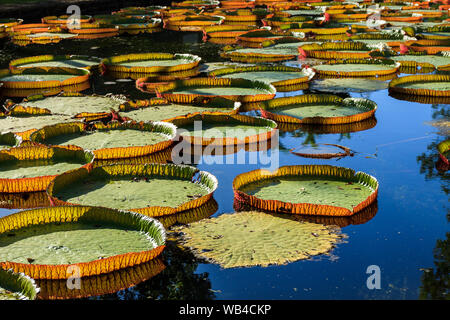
x=374 y=280
x=74 y=20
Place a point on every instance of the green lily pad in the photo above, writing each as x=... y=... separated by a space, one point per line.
x=438 y=86
x=21 y=124
x=437 y=61
x=126 y=193
x=108 y=139
x=247 y=239
x=36 y=168
x=73 y=105
x=164 y=112
x=352 y=67
x=310 y=189
x=63 y=61
x=59 y=243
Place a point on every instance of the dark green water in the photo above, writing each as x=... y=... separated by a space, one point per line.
x=408 y=237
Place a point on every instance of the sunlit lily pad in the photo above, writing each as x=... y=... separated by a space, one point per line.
x=112 y=141
x=74 y=104
x=422 y=85
x=247 y=239
x=151 y=189
x=151 y=62
x=72 y=61
x=220 y=129
x=307 y=189
x=356 y=68
x=241 y=90
x=142 y=111
x=278 y=76
x=316 y=109
x=43 y=243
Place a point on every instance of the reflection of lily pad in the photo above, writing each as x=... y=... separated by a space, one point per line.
x=307 y=189
x=248 y=239
x=16 y=286
x=101 y=284
x=348 y=85
x=42 y=243
x=322 y=151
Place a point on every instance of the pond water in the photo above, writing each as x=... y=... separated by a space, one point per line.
x=408 y=234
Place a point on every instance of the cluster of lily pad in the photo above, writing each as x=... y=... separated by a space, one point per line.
x=101 y=169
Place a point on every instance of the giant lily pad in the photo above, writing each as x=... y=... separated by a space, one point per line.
x=45 y=243
x=158 y=109
x=316 y=109
x=222 y=129
x=356 y=68
x=336 y=50
x=247 y=239
x=423 y=61
x=70 y=61
x=17 y=286
x=31 y=168
x=112 y=141
x=278 y=76
x=307 y=189
x=241 y=90
x=153 y=189
x=75 y=104
x=39 y=78
x=422 y=85
x=151 y=62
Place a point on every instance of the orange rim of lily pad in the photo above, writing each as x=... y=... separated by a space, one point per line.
x=344 y=174
x=302 y=78
x=38 y=152
x=220 y=118
x=365 y=107
x=101 y=284
x=167 y=91
x=113 y=63
x=396 y=85
x=78 y=76
x=74 y=214
x=147 y=170
x=336 y=50
x=166 y=129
